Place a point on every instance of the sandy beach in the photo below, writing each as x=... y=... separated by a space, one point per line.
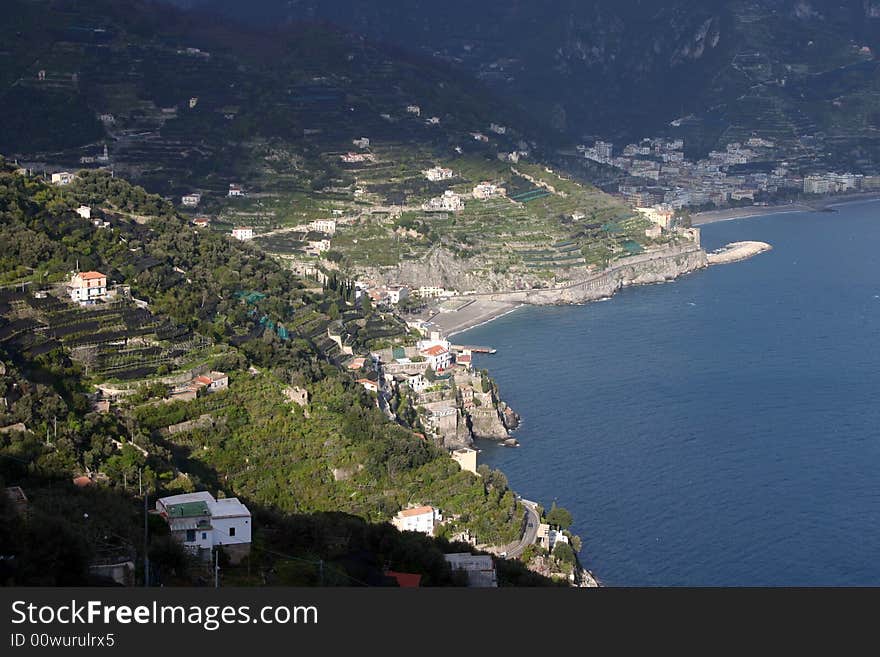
x=817 y=205
x=476 y=312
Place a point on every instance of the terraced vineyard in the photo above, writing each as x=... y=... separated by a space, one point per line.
x=116 y=340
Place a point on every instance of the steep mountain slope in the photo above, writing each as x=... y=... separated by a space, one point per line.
x=626 y=68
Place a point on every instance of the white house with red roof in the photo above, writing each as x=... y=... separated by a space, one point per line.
x=372 y=386
x=422 y=519
x=438 y=356
x=88 y=287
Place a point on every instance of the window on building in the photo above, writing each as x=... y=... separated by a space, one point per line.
x=204 y=536
x=190 y=535
x=232 y=531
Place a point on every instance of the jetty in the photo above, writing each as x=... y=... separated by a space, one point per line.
x=736 y=251
x=474 y=349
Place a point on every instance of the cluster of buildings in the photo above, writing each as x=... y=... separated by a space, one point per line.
x=479 y=570
x=448 y=202
x=659 y=176
x=451 y=201
x=389 y=294
x=833 y=183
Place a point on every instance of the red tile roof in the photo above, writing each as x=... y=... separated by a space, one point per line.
x=91 y=275
x=418 y=511
x=436 y=350
x=406 y=580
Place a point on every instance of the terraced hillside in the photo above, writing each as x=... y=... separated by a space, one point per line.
x=311 y=125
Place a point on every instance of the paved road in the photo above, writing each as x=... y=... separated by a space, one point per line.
x=530 y=532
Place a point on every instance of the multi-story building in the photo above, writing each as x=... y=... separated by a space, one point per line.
x=480 y=569
x=243 y=233
x=88 y=287
x=202 y=523
x=449 y=202
x=422 y=519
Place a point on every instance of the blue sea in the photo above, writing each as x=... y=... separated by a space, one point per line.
x=722 y=429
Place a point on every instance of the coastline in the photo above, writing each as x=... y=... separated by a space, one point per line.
x=650 y=268
x=812 y=205
x=477 y=313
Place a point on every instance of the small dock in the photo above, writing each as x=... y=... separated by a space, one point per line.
x=472 y=348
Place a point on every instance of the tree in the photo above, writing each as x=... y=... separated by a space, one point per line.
x=559 y=517
x=563 y=553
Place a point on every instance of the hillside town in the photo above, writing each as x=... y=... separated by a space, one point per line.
x=656 y=174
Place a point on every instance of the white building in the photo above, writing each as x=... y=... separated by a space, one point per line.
x=438 y=357
x=449 y=202
x=435 y=174
x=88 y=287
x=235 y=190
x=417 y=382
x=498 y=129
x=327 y=226
x=63 y=178
x=243 y=233
x=487 y=190
x=414 y=109
x=547 y=537
x=191 y=200
x=370 y=386
x=363 y=142
x=433 y=292
x=396 y=294
x=201 y=522
x=422 y=519
x=84 y=211
x=480 y=569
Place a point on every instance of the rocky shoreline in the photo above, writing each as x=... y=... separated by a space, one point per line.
x=736 y=251
x=658 y=266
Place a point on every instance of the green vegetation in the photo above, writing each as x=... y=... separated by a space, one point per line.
x=337 y=465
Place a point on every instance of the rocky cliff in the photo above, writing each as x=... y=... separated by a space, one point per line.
x=654 y=267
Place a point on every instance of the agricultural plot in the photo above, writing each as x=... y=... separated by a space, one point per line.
x=115 y=340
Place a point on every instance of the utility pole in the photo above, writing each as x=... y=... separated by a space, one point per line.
x=321 y=573
x=216 y=568
x=146 y=545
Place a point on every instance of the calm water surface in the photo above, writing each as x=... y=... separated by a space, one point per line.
x=723 y=429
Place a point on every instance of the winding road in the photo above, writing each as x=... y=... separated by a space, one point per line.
x=530 y=529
